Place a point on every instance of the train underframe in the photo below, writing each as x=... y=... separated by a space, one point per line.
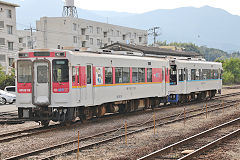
x=68 y=114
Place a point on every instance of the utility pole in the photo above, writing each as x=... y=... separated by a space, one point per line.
x=154 y=32
x=31 y=34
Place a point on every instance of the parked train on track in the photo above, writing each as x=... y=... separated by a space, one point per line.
x=60 y=85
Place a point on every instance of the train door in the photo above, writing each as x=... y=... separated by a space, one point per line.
x=89 y=85
x=185 y=76
x=41 y=86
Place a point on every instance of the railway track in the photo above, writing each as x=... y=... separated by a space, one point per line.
x=10 y=117
x=198 y=143
x=5 y=137
x=109 y=135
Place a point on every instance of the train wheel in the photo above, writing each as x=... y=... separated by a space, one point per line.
x=45 y=123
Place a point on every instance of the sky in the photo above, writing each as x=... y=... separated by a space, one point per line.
x=141 y=6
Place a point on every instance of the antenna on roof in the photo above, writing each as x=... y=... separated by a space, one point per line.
x=69 y=10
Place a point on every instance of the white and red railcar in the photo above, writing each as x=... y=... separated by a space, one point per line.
x=61 y=85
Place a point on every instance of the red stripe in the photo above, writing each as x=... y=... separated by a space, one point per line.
x=94 y=75
x=103 y=75
x=113 y=74
x=130 y=74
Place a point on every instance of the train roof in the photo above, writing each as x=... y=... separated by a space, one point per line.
x=148 y=50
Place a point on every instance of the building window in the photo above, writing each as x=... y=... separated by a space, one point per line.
x=74 y=26
x=104 y=34
x=140 y=39
x=2 y=41
x=91 y=41
x=10 y=46
x=74 y=39
x=83 y=43
x=98 y=30
x=20 y=40
x=98 y=42
x=118 y=33
x=1 y=24
x=83 y=30
x=87 y=37
x=108 y=75
x=10 y=61
x=9 y=13
x=10 y=29
x=90 y=29
x=130 y=35
x=109 y=40
x=135 y=35
x=112 y=32
x=124 y=37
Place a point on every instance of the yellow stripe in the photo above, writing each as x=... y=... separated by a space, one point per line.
x=78 y=86
x=119 y=84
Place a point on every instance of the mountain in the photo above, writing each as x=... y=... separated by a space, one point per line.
x=206 y=26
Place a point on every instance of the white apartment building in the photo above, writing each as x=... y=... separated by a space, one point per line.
x=8 y=34
x=26 y=40
x=64 y=32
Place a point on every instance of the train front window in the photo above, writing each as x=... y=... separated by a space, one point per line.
x=24 y=70
x=60 y=70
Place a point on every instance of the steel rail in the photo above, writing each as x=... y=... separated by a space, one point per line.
x=119 y=136
x=210 y=145
x=175 y=145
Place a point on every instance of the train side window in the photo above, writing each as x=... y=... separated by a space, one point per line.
x=197 y=75
x=173 y=75
x=118 y=75
x=200 y=74
x=141 y=74
x=149 y=75
x=181 y=75
x=193 y=74
x=108 y=75
x=185 y=74
x=89 y=74
x=126 y=75
x=134 y=75
x=73 y=74
x=78 y=78
x=163 y=74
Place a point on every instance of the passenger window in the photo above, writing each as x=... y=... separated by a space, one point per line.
x=108 y=75
x=193 y=74
x=141 y=74
x=149 y=75
x=163 y=75
x=126 y=75
x=134 y=75
x=181 y=75
x=118 y=75
x=78 y=78
x=173 y=75
x=89 y=74
x=73 y=74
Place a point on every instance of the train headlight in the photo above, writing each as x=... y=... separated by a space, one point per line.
x=60 y=54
